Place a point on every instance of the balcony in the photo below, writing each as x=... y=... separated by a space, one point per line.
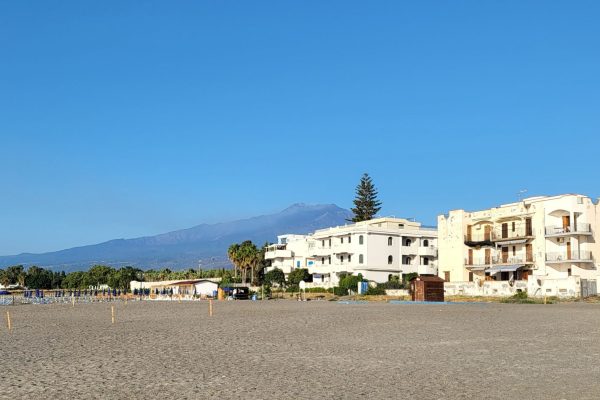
x=572 y=256
x=476 y=240
x=421 y=269
x=499 y=260
x=512 y=260
x=579 y=228
x=343 y=248
x=503 y=236
x=429 y=251
x=273 y=254
x=411 y=250
x=427 y=269
x=319 y=251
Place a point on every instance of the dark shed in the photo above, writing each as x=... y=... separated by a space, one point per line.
x=427 y=288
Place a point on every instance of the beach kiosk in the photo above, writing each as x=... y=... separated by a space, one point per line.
x=427 y=288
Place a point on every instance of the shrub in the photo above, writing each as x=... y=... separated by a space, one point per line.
x=338 y=291
x=391 y=285
x=292 y=288
x=375 y=291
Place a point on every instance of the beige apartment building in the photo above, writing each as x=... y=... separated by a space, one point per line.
x=546 y=246
x=377 y=249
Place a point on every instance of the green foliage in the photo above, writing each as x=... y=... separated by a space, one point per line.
x=366 y=204
x=338 y=291
x=38 y=278
x=348 y=282
x=375 y=291
x=406 y=278
x=297 y=275
x=522 y=298
x=275 y=277
x=246 y=257
x=393 y=284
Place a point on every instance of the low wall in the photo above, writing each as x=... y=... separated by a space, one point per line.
x=396 y=292
x=567 y=287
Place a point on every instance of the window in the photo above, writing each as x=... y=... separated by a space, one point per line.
x=360 y=239
x=406 y=260
x=349 y=239
x=360 y=259
x=425 y=261
x=425 y=243
x=323 y=243
x=329 y=260
x=297 y=264
x=400 y=226
x=447 y=276
x=407 y=242
x=470 y=277
x=342 y=240
x=569 y=271
x=513 y=226
x=390 y=259
x=329 y=242
x=390 y=241
x=342 y=259
x=514 y=250
x=349 y=258
x=322 y=260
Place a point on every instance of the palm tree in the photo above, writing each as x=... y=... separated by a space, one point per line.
x=233 y=253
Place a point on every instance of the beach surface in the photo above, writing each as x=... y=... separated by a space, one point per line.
x=287 y=349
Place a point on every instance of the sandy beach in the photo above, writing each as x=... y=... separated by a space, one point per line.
x=287 y=349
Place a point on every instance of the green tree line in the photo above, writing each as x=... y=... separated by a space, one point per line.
x=118 y=278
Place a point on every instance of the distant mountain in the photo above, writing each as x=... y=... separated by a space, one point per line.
x=184 y=248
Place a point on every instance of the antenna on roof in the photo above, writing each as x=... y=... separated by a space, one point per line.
x=521 y=193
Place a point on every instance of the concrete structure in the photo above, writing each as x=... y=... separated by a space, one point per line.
x=377 y=249
x=545 y=245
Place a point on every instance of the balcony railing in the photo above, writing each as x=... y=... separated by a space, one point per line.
x=430 y=251
x=499 y=260
x=578 y=228
x=271 y=254
x=585 y=256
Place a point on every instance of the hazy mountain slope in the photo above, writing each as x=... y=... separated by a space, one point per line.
x=183 y=248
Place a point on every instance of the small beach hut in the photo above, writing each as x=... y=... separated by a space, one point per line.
x=427 y=288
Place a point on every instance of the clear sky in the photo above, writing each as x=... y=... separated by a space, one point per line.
x=128 y=118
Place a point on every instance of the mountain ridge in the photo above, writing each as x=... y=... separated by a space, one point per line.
x=183 y=248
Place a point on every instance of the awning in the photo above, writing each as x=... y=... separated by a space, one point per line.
x=503 y=268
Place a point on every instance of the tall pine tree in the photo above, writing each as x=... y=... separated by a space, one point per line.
x=366 y=203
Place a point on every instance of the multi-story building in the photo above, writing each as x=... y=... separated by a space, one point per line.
x=290 y=252
x=545 y=245
x=377 y=249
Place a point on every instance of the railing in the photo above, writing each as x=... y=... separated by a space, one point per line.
x=478 y=261
x=569 y=256
x=580 y=227
x=278 y=254
x=513 y=259
x=412 y=249
x=499 y=260
x=428 y=251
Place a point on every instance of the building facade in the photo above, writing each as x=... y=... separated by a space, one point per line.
x=544 y=245
x=377 y=249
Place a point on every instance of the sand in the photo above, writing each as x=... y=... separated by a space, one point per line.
x=287 y=349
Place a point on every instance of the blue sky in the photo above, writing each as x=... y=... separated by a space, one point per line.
x=121 y=119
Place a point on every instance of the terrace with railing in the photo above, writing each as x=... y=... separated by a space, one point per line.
x=569 y=256
x=579 y=228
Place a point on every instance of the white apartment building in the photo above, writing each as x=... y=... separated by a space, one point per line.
x=377 y=249
x=545 y=245
x=290 y=252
